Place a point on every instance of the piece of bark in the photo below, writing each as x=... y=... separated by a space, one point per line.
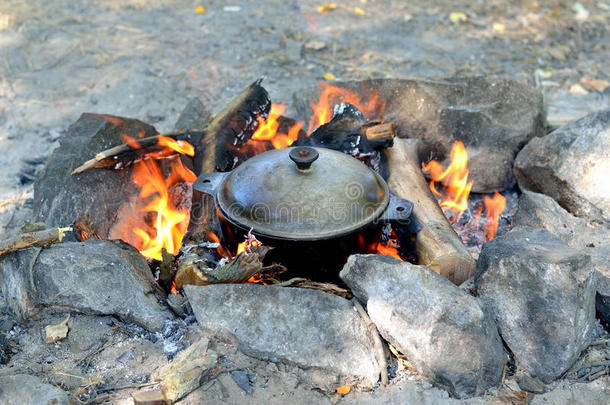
x=194 y=271
x=57 y=332
x=38 y=238
x=188 y=371
x=438 y=246
x=230 y=129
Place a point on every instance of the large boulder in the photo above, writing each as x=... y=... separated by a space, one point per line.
x=306 y=328
x=542 y=293
x=21 y=389
x=93 y=277
x=493 y=117
x=441 y=329
x=571 y=164
x=541 y=211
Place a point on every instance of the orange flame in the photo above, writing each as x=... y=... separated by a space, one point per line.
x=494 y=207
x=158 y=224
x=331 y=95
x=391 y=249
x=454 y=178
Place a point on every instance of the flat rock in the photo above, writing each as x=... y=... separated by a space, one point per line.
x=539 y=210
x=571 y=164
x=22 y=389
x=441 y=329
x=493 y=117
x=542 y=293
x=306 y=328
x=93 y=277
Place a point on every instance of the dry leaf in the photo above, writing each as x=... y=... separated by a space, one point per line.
x=57 y=332
x=200 y=10
x=359 y=11
x=499 y=27
x=594 y=84
x=329 y=76
x=344 y=389
x=327 y=7
x=457 y=17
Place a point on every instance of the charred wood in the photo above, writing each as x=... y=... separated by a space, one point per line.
x=193 y=270
x=230 y=129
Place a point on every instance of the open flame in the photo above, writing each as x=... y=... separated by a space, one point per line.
x=331 y=95
x=454 y=178
x=156 y=222
x=494 y=207
x=456 y=188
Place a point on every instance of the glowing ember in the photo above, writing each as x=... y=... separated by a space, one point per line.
x=388 y=249
x=454 y=178
x=331 y=95
x=156 y=222
x=494 y=207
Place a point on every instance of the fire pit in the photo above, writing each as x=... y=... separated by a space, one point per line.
x=387 y=199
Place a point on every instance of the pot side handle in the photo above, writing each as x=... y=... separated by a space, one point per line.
x=208 y=183
x=400 y=211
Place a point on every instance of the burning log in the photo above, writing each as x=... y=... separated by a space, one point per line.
x=44 y=237
x=125 y=154
x=438 y=246
x=231 y=128
x=192 y=270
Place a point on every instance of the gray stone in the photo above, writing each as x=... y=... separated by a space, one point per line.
x=95 y=195
x=441 y=329
x=22 y=389
x=306 y=328
x=194 y=116
x=539 y=210
x=571 y=164
x=493 y=117
x=294 y=50
x=542 y=293
x=595 y=392
x=93 y=277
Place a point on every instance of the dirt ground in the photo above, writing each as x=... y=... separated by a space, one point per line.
x=147 y=59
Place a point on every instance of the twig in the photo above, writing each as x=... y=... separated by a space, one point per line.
x=377 y=343
x=38 y=238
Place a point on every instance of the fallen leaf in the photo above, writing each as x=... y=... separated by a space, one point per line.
x=200 y=10
x=327 y=7
x=499 y=27
x=578 y=89
x=329 y=76
x=57 y=332
x=457 y=17
x=594 y=84
x=344 y=389
x=359 y=11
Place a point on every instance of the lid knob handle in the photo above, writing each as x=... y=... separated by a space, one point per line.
x=303 y=156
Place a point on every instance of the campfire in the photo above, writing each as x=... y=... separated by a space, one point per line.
x=361 y=240
x=157 y=220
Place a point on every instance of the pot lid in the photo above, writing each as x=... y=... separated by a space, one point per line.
x=302 y=193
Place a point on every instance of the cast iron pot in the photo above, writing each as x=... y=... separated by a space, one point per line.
x=316 y=206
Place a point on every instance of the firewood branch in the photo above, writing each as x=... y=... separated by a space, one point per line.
x=38 y=238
